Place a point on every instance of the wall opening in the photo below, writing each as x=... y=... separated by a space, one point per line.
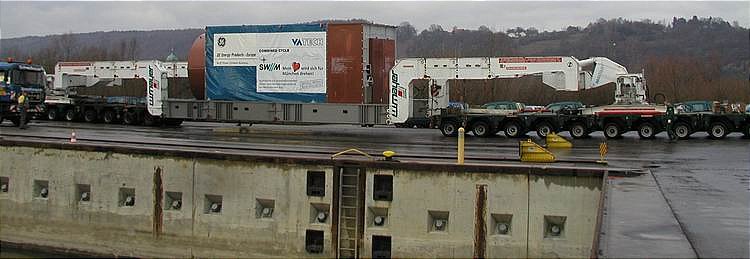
x=4 y=184
x=264 y=208
x=83 y=193
x=382 y=188
x=381 y=247
x=173 y=200
x=314 y=241
x=127 y=197
x=41 y=189
x=319 y=213
x=437 y=220
x=554 y=226
x=378 y=217
x=502 y=224
x=316 y=183
x=212 y=204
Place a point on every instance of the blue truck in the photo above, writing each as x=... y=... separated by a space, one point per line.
x=17 y=78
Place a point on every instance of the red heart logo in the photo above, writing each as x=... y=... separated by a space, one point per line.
x=296 y=66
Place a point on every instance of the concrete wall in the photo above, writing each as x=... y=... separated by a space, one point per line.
x=104 y=225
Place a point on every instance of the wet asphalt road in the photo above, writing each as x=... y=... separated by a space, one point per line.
x=706 y=182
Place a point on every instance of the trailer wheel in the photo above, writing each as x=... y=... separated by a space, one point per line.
x=579 y=131
x=612 y=130
x=513 y=129
x=543 y=129
x=646 y=130
x=682 y=130
x=718 y=130
x=89 y=115
x=130 y=118
x=149 y=120
x=481 y=129
x=71 y=115
x=449 y=128
x=53 y=114
x=109 y=116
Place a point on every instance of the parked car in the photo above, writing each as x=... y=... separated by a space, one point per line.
x=504 y=105
x=533 y=108
x=556 y=107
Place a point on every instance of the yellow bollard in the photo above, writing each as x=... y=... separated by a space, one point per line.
x=555 y=141
x=531 y=152
x=461 y=132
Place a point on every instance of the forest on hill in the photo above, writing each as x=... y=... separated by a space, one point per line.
x=687 y=59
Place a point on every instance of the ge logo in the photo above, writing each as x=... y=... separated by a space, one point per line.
x=222 y=41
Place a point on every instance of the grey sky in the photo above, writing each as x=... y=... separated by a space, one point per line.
x=19 y=19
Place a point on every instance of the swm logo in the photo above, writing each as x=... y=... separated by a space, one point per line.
x=306 y=42
x=270 y=67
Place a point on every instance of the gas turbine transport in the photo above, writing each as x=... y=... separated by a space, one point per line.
x=347 y=74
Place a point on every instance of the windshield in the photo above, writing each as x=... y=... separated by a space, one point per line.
x=28 y=78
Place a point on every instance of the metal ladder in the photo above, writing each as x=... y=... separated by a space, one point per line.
x=349 y=213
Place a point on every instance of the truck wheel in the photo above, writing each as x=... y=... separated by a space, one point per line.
x=746 y=132
x=449 y=128
x=1 y=119
x=578 y=131
x=53 y=114
x=513 y=129
x=15 y=120
x=130 y=118
x=543 y=129
x=70 y=115
x=646 y=130
x=682 y=130
x=481 y=129
x=89 y=115
x=612 y=130
x=109 y=116
x=717 y=130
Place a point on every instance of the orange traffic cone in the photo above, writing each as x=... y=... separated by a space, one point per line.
x=73 y=137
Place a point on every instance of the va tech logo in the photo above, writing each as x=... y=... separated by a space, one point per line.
x=308 y=42
x=222 y=42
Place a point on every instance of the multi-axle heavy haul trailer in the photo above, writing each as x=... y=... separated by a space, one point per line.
x=347 y=74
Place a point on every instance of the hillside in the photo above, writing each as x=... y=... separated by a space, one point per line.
x=679 y=62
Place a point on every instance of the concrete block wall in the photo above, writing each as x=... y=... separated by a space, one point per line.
x=104 y=225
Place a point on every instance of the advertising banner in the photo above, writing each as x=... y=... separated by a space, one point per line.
x=285 y=62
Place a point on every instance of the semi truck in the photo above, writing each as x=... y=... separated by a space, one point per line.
x=17 y=78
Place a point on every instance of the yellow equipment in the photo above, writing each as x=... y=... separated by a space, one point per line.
x=555 y=141
x=531 y=152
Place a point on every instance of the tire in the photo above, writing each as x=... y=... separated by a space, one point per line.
x=718 y=130
x=15 y=120
x=646 y=130
x=130 y=118
x=745 y=132
x=109 y=116
x=612 y=130
x=682 y=130
x=1 y=119
x=481 y=129
x=449 y=128
x=543 y=129
x=89 y=115
x=579 y=131
x=53 y=114
x=149 y=120
x=513 y=129
x=71 y=115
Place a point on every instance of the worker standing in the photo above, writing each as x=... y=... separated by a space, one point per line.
x=23 y=106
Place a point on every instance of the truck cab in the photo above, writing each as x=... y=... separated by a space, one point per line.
x=17 y=78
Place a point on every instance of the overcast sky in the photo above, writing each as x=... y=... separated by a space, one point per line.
x=19 y=19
